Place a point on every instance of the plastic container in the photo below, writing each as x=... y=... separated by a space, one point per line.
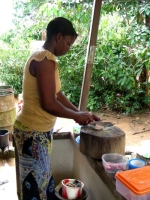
x=136 y=163
x=76 y=128
x=145 y=152
x=72 y=188
x=4 y=138
x=134 y=184
x=113 y=161
x=78 y=139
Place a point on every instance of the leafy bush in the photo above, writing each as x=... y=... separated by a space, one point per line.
x=11 y=69
x=71 y=72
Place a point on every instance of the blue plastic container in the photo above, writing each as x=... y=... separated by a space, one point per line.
x=136 y=163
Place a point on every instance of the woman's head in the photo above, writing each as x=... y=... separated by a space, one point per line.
x=60 y=33
x=60 y=25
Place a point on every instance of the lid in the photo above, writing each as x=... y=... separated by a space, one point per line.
x=137 y=180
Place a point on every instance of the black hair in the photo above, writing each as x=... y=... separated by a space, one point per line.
x=60 y=25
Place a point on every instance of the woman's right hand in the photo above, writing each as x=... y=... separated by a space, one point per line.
x=83 y=118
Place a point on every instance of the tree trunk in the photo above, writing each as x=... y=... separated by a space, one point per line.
x=144 y=77
x=147 y=20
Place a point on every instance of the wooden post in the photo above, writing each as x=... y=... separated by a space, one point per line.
x=90 y=55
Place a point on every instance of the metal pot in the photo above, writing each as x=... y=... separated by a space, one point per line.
x=4 y=138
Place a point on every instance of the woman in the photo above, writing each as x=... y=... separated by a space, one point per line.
x=43 y=101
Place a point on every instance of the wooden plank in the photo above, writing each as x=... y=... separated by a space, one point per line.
x=90 y=54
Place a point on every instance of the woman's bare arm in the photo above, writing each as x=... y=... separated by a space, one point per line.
x=45 y=76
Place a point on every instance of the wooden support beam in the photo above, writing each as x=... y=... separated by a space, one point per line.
x=90 y=54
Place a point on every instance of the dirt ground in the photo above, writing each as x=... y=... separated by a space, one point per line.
x=136 y=127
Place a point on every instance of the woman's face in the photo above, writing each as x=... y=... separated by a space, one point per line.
x=63 y=44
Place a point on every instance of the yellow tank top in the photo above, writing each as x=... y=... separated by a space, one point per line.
x=31 y=114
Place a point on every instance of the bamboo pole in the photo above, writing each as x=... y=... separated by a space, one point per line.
x=90 y=54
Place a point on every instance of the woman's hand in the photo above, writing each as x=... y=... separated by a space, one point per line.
x=83 y=118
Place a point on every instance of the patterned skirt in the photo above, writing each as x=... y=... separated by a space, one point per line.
x=34 y=150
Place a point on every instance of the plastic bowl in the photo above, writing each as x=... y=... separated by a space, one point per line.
x=136 y=163
x=72 y=188
x=113 y=161
x=76 y=129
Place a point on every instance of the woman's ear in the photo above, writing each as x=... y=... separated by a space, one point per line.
x=58 y=37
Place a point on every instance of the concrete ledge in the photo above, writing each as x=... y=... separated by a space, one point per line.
x=107 y=179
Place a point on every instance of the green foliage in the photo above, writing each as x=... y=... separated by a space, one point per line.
x=115 y=70
x=71 y=73
x=122 y=51
x=11 y=68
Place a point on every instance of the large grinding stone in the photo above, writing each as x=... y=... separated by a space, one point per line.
x=95 y=143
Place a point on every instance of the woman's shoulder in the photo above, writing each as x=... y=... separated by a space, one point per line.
x=40 y=54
